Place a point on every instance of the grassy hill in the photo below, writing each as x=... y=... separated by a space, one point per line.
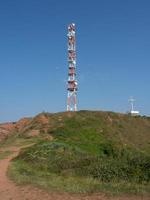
x=86 y=151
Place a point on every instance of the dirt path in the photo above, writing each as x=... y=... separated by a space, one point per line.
x=10 y=191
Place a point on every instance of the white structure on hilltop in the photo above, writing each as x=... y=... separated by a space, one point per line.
x=132 y=111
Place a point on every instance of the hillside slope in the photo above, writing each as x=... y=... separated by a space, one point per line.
x=90 y=152
x=127 y=130
x=10 y=128
x=115 y=126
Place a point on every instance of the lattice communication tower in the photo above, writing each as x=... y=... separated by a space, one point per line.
x=72 y=82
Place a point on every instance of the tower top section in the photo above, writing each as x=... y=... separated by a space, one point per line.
x=71 y=26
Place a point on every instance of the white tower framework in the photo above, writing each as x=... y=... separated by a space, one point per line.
x=72 y=82
x=133 y=112
x=132 y=100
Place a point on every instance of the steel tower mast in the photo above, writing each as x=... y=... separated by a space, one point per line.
x=72 y=82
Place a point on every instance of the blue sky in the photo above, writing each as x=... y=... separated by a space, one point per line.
x=113 y=55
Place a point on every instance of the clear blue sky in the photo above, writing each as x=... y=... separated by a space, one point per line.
x=113 y=52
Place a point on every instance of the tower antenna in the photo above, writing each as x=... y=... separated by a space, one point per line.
x=132 y=111
x=132 y=100
x=72 y=82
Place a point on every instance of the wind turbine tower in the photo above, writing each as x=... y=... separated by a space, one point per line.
x=72 y=82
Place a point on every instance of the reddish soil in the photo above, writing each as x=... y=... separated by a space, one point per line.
x=10 y=191
x=22 y=123
x=7 y=129
x=42 y=119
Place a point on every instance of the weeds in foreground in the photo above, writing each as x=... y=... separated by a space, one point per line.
x=22 y=173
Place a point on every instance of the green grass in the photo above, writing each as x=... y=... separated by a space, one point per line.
x=63 y=167
x=90 y=152
x=4 y=154
x=18 y=141
x=22 y=173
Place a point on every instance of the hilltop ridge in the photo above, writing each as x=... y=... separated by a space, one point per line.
x=123 y=127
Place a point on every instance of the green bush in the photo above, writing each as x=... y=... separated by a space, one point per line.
x=62 y=158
